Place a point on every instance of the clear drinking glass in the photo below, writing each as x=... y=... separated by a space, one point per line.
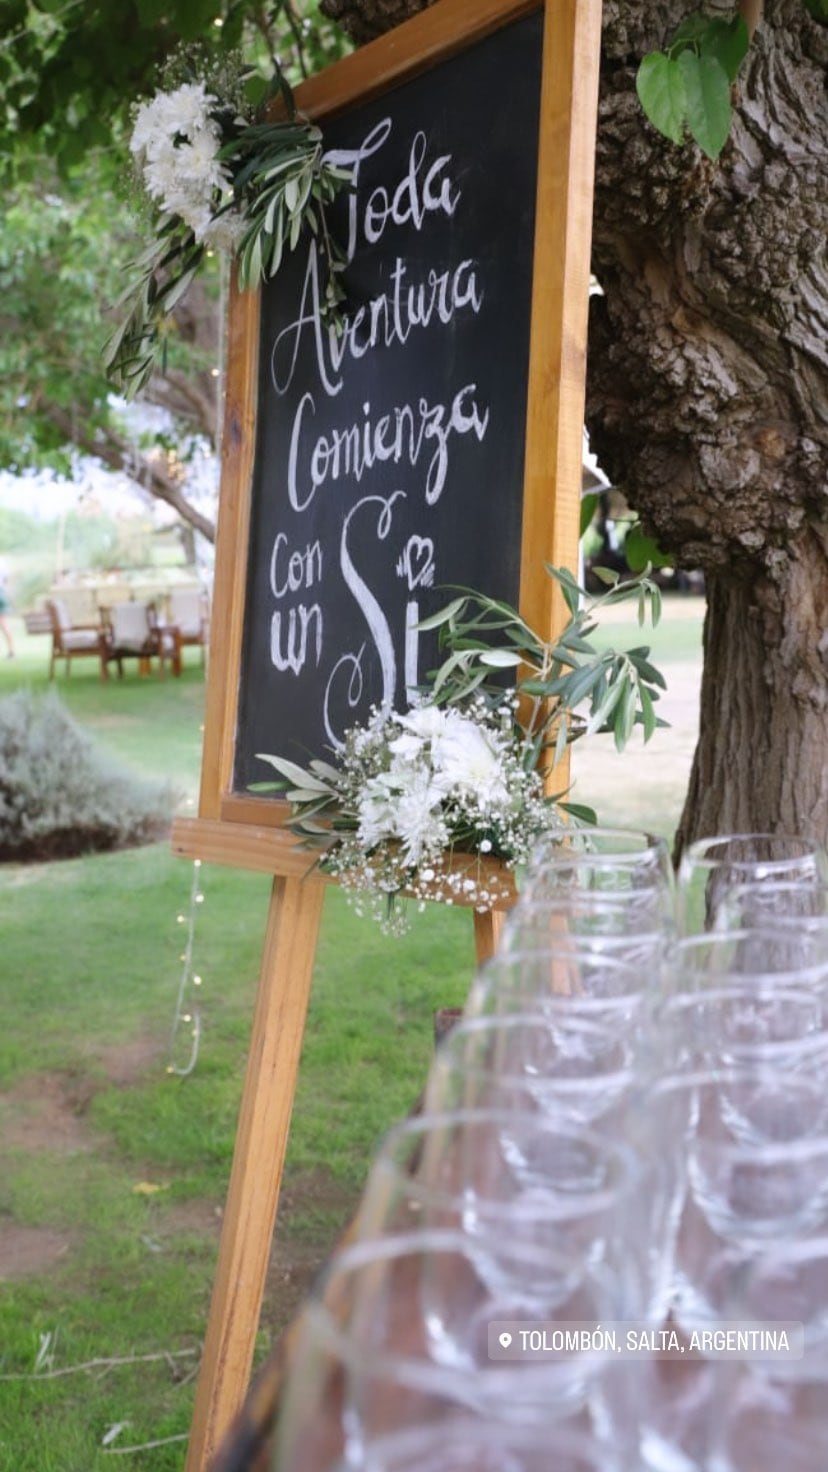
x=596 y=858
x=770 y=901
x=744 y=1153
x=614 y=923
x=567 y=1067
x=777 y=1412
x=480 y=1444
x=783 y=1027
x=571 y=979
x=514 y=1179
x=712 y=868
x=761 y=958
x=397 y=1336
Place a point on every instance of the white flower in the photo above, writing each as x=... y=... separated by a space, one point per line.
x=175 y=139
x=377 y=811
x=191 y=105
x=424 y=725
x=421 y=827
x=171 y=115
x=469 y=762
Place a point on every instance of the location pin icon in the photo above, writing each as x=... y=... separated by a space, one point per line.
x=505 y=1339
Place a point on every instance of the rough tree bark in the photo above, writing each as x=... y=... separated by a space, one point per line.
x=707 y=389
x=708 y=396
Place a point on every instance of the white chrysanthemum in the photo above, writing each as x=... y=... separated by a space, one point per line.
x=420 y=824
x=424 y=725
x=151 y=130
x=169 y=115
x=469 y=762
x=190 y=104
x=197 y=163
x=377 y=810
x=425 y=721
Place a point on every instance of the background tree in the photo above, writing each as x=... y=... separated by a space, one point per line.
x=707 y=386
x=61 y=257
x=69 y=76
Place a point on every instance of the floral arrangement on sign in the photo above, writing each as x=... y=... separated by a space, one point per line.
x=217 y=178
x=464 y=771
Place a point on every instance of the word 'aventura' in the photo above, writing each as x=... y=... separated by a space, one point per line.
x=388 y=319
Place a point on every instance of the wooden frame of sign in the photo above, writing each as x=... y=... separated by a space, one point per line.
x=234 y=827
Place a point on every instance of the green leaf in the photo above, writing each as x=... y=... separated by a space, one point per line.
x=580 y=813
x=500 y=659
x=662 y=93
x=444 y=616
x=562 y=739
x=295 y=775
x=645 y=670
x=691 y=30
x=818 y=9
x=648 y=714
x=642 y=551
x=728 y=41
x=589 y=505
x=625 y=718
x=607 y=575
x=605 y=708
x=707 y=91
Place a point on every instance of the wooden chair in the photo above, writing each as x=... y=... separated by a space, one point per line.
x=72 y=640
x=132 y=631
x=189 y=612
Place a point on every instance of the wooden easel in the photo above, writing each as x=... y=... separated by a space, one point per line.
x=247 y=832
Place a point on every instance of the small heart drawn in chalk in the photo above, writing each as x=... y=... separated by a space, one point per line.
x=418 y=562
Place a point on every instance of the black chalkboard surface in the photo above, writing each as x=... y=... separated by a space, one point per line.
x=389 y=463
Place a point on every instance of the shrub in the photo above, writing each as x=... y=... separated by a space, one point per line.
x=60 y=795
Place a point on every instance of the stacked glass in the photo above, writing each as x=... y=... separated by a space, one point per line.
x=627 y=1128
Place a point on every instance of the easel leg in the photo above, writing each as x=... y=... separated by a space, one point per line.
x=487 y=929
x=250 y=1213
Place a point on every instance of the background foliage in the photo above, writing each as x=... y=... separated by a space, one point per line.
x=70 y=74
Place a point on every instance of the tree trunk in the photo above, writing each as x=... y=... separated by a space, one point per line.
x=707 y=393
x=708 y=397
x=760 y=765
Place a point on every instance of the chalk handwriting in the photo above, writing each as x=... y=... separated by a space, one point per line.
x=408 y=435
x=416 y=195
x=388 y=319
x=417 y=563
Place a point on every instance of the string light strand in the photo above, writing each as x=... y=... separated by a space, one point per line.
x=187 y=1012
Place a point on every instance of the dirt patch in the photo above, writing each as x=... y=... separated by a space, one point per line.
x=198 y=1218
x=27 y=1251
x=47 y=1112
x=128 y=1064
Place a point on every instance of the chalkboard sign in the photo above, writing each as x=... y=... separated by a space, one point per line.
x=438 y=441
x=389 y=461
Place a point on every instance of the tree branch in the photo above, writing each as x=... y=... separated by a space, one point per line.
x=120 y=455
x=182 y=395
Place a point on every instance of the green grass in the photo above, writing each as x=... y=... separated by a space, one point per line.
x=89 y=971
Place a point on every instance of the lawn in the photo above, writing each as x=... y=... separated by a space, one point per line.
x=113 y=1171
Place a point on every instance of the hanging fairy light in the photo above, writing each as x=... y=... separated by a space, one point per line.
x=187 y=1020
